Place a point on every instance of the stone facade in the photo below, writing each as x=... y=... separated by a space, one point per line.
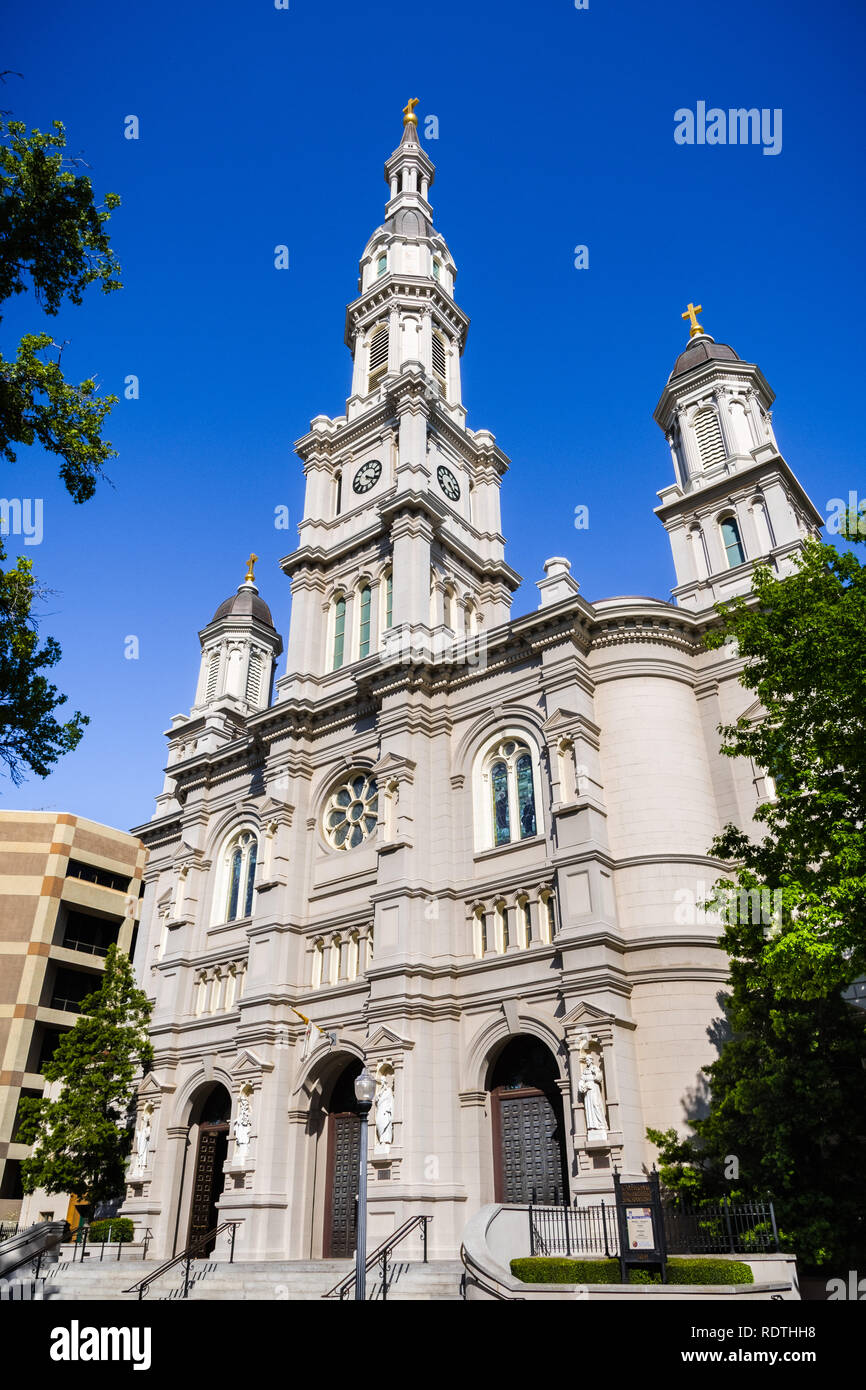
x=447 y=830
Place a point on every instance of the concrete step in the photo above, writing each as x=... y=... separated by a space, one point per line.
x=280 y=1280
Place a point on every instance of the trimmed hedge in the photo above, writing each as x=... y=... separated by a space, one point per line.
x=546 y=1269
x=118 y=1229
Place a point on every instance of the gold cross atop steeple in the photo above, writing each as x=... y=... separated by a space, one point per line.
x=409 y=117
x=692 y=314
x=251 y=565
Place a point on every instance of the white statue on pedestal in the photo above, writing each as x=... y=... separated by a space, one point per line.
x=243 y=1123
x=589 y=1087
x=142 y=1142
x=385 y=1110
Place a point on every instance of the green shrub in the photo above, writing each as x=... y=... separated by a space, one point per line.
x=709 y=1271
x=546 y=1269
x=118 y=1229
x=551 y=1269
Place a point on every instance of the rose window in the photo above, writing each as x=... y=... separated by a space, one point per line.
x=351 y=815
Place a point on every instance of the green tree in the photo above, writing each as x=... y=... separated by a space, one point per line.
x=53 y=244
x=788 y=1091
x=82 y=1139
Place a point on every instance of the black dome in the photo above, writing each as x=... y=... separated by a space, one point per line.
x=245 y=604
x=700 y=350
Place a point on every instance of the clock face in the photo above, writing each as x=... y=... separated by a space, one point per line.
x=448 y=482
x=367 y=475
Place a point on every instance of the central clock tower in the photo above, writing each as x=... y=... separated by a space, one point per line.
x=401 y=536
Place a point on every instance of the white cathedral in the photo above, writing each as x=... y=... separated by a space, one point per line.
x=449 y=844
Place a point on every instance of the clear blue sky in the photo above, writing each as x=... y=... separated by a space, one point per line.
x=261 y=126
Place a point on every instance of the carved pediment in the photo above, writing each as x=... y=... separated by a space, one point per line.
x=567 y=721
x=248 y=1064
x=151 y=1089
x=384 y=1039
x=393 y=765
x=586 y=1016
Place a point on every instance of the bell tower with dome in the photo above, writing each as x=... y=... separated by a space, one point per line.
x=735 y=502
x=401 y=532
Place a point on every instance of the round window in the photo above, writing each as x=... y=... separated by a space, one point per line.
x=351 y=814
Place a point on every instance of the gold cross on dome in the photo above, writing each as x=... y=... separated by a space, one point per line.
x=251 y=565
x=692 y=313
x=409 y=117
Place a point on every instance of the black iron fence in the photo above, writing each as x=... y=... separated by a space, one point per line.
x=725 y=1228
x=573 y=1230
x=742 y=1228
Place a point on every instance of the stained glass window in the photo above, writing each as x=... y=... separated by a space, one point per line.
x=234 y=884
x=364 y=633
x=242 y=853
x=525 y=796
x=512 y=792
x=339 y=631
x=251 y=874
x=501 y=817
x=352 y=812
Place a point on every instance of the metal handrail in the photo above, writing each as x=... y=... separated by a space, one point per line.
x=383 y=1252
x=142 y=1285
x=29 y=1246
x=471 y=1271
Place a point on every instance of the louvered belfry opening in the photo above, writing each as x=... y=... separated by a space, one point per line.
x=439 y=358
x=709 y=437
x=378 y=355
x=254 y=679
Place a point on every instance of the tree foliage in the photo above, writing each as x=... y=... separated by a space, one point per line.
x=787 y=1116
x=53 y=244
x=82 y=1138
x=30 y=735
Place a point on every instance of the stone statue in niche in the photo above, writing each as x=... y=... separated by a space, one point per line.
x=384 y=1108
x=142 y=1142
x=243 y=1122
x=589 y=1087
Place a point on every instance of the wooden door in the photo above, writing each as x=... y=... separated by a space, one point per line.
x=208 y=1183
x=528 y=1150
x=344 y=1167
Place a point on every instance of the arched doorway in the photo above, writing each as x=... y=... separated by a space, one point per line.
x=343 y=1165
x=211 y=1113
x=529 y=1157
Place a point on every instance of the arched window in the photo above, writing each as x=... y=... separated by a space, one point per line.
x=732 y=543
x=364 y=622
x=449 y=607
x=382 y=265
x=338 y=492
x=378 y=364
x=437 y=270
x=510 y=778
x=339 y=630
x=389 y=599
x=239 y=866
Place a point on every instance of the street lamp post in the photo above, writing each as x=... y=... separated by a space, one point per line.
x=365 y=1090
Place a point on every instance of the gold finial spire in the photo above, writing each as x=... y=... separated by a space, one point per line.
x=251 y=565
x=692 y=313
x=409 y=117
